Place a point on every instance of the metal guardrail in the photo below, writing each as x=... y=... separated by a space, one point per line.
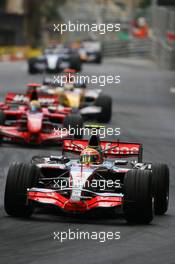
x=158 y=50
x=163 y=54
x=163 y=20
x=131 y=47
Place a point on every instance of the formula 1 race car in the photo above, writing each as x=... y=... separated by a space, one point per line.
x=30 y=94
x=68 y=75
x=102 y=176
x=55 y=59
x=91 y=51
x=91 y=103
x=37 y=125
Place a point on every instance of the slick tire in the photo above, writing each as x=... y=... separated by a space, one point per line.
x=76 y=63
x=20 y=177
x=2 y=118
x=160 y=177
x=74 y=122
x=105 y=102
x=99 y=58
x=137 y=206
x=31 y=68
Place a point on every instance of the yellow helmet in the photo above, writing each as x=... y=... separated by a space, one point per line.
x=90 y=156
x=35 y=106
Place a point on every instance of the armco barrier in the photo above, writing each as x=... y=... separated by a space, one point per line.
x=130 y=47
x=163 y=54
x=158 y=50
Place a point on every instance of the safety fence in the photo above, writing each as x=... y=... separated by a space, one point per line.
x=162 y=53
x=131 y=47
x=158 y=50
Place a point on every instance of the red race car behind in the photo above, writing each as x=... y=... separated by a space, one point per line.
x=34 y=124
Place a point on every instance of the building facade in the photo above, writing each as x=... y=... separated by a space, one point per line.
x=12 y=22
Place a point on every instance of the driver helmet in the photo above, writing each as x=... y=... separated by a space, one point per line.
x=90 y=156
x=35 y=106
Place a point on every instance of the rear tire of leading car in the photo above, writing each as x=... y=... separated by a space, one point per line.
x=99 y=58
x=74 y=122
x=105 y=102
x=31 y=68
x=20 y=177
x=76 y=63
x=160 y=177
x=137 y=205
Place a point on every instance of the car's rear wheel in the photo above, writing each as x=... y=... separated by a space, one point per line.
x=31 y=68
x=160 y=188
x=137 y=204
x=74 y=123
x=2 y=118
x=76 y=63
x=105 y=102
x=20 y=177
x=98 y=58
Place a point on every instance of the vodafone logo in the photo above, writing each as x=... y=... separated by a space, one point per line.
x=122 y=149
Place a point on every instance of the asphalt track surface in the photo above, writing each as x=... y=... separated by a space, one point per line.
x=145 y=110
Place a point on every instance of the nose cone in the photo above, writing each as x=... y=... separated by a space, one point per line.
x=34 y=123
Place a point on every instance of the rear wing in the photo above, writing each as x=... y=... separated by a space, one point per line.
x=22 y=99
x=109 y=148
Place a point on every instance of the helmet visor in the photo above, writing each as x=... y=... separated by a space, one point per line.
x=87 y=159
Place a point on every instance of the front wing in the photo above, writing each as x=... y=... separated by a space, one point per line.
x=14 y=135
x=50 y=197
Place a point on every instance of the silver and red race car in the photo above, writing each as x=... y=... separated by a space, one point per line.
x=103 y=176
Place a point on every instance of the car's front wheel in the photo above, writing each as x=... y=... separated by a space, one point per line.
x=137 y=206
x=20 y=177
x=160 y=174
